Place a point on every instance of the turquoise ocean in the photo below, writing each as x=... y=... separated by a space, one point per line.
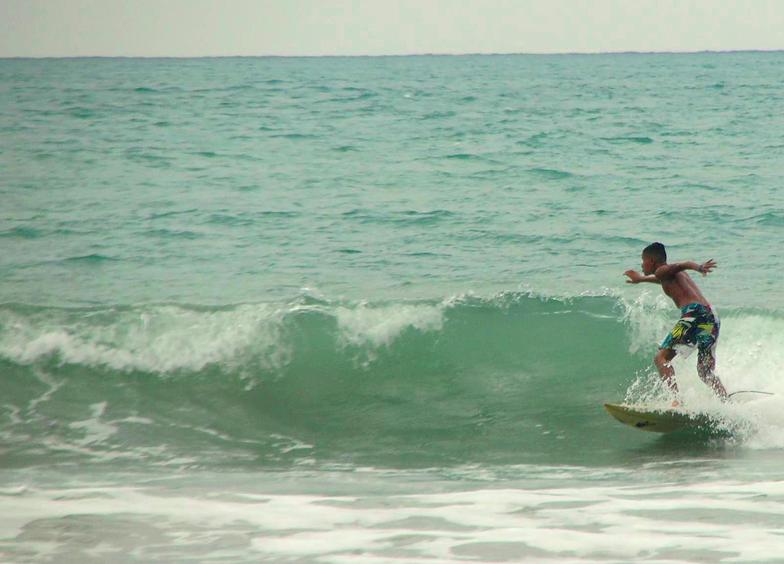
x=369 y=309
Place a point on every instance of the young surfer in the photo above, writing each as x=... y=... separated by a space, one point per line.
x=698 y=325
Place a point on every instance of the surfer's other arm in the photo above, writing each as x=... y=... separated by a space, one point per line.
x=635 y=277
x=670 y=270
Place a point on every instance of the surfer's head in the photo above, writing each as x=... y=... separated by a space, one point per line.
x=653 y=256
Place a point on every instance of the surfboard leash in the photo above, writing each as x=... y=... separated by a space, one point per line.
x=750 y=392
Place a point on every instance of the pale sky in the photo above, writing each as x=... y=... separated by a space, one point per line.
x=183 y=28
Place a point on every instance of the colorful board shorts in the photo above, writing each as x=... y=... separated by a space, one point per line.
x=698 y=327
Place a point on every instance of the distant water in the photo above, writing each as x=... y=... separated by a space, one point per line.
x=368 y=309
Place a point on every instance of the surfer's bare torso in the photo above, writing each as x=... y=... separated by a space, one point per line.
x=681 y=288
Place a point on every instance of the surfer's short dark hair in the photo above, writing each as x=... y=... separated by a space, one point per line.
x=657 y=251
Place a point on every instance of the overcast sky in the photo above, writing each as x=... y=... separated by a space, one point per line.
x=374 y=27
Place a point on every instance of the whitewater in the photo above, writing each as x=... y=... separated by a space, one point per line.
x=368 y=309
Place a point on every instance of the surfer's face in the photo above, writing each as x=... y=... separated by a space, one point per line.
x=648 y=265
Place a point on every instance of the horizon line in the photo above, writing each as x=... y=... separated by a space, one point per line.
x=386 y=55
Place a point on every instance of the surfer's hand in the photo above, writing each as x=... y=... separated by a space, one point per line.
x=706 y=267
x=634 y=277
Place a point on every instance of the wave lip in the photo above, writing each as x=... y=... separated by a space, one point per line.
x=381 y=325
x=161 y=338
x=156 y=339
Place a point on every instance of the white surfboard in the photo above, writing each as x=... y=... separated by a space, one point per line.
x=660 y=420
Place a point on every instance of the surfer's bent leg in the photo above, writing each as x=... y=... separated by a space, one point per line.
x=666 y=353
x=667 y=372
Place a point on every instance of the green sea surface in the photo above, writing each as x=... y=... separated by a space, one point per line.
x=368 y=309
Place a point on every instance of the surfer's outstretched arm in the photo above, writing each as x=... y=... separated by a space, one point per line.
x=635 y=277
x=669 y=270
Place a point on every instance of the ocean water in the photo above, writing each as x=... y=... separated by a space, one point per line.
x=368 y=309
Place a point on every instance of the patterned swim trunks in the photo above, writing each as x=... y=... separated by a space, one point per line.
x=697 y=327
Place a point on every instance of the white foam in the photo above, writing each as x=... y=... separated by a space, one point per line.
x=168 y=338
x=157 y=338
x=649 y=317
x=581 y=521
x=95 y=430
x=381 y=325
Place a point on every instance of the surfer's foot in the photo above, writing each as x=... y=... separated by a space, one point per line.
x=676 y=403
